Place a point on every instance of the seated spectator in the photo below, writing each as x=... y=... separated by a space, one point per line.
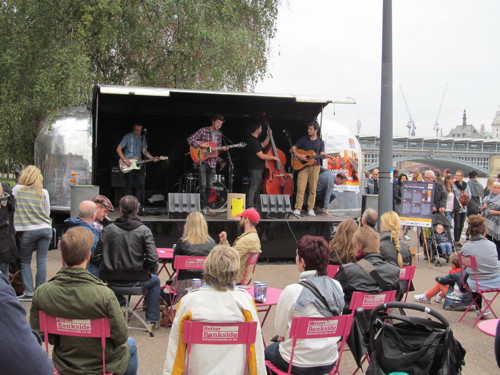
x=75 y=293
x=127 y=255
x=443 y=241
x=104 y=207
x=342 y=249
x=316 y=356
x=359 y=277
x=247 y=243
x=216 y=301
x=391 y=248
x=195 y=241
x=87 y=211
x=369 y=218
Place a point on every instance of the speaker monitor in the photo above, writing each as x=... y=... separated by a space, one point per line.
x=275 y=203
x=183 y=202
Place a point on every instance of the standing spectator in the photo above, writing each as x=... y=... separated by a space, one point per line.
x=395 y=177
x=416 y=176
x=460 y=188
x=104 y=207
x=372 y=183
x=398 y=192
x=32 y=222
x=476 y=194
x=489 y=184
x=439 y=204
x=8 y=248
x=447 y=172
x=439 y=178
x=450 y=197
x=316 y=356
x=342 y=249
x=491 y=208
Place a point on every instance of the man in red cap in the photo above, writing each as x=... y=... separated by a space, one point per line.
x=247 y=243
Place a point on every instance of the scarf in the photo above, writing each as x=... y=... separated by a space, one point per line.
x=492 y=221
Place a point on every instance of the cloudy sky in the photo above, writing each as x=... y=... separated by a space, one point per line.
x=332 y=48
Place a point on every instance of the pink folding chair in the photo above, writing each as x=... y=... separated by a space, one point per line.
x=407 y=273
x=76 y=328
x=470 y=262
x=315 y=328
x=218 y=334
x=251 y=262
x=332 y=270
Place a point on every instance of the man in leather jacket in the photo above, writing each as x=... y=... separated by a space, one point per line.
x=127 y=256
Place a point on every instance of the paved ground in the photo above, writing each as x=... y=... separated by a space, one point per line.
x=479 y=359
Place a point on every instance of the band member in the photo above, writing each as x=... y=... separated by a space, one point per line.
x=256 y=162
x=309 y=175
x=134 y=146
x=206 y=168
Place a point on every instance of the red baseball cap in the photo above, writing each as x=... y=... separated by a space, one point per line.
x=251 y=214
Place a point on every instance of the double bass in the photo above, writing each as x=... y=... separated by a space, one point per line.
x=276 y=180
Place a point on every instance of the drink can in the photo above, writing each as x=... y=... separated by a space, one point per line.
x=196 y=284
x=260 y=292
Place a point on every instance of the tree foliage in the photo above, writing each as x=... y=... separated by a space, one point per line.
x=53 y=51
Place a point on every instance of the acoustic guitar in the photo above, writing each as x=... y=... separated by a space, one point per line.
x=298 y=164
x=201 y=154
x=135 y=164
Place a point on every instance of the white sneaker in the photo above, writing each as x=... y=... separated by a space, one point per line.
x=311 y=213
x=296 y=212
x=406 y=238
x=421 y=298
x=438 y=298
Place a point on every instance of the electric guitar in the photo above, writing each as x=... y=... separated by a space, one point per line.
x=201 y=154
x=136 y=164
x=298 y=164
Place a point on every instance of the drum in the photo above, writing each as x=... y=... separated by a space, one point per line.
x=218 y=196
x=189 y=183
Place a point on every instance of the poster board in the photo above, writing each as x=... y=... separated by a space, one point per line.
x=417 y=201
x=347 y=160
x=235 y=205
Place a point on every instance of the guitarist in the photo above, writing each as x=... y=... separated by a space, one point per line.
x=308 y=176
x=206 y=168
x=134 y=145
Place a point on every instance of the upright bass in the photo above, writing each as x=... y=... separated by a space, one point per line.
x=276 y=180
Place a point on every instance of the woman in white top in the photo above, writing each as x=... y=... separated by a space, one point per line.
x=450 y=196
x=32 y=222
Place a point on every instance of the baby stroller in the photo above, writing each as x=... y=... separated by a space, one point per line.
x=431 y=244
x=411 y=344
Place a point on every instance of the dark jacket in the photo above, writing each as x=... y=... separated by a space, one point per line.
x=442 y=237
x=477 y=191
x=76 y=293
x=21 y=353
x=186 y=248
x=8 y=248
x=370 y=186
x=398 y=189
x=389 y=252
x=454 y=277
x=354 y=279
x=440 y=196
x=74 y=222
x=126 y=251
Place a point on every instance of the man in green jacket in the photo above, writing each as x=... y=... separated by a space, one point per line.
x=75 y=293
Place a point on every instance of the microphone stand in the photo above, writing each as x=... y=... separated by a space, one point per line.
x=289 y=138
x=230 y=162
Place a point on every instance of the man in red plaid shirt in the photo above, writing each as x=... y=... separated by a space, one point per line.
x=206 y=168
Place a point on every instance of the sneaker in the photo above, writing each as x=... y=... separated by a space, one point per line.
x=296 y=212
x=25 y=297
x=406 y=238
x=311 y=213
x=153 y=326
x=438 y=298
x=421 y=298
x=485 y=314
x=454 y=296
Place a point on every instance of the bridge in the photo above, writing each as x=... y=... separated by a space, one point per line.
x=481 y=155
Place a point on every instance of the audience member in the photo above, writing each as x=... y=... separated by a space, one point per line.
x=393 y=251
x=8 y=248
x=248 y=242
x=395 y=176
x=33 y=224
x=316 y=356
x=398 y=192
x=439 y=178
x=87 y=211
x=324 y=191
x=450 y=197
x=476 y=194
x=443 y=241
x=342 y=249
x=489 y=184
x=369 y=218
x=447 y=172
x=439 y=204
x=462 y=197
x=372 y=273
x=74 y=293
x=372 y=185
x=127 y=256
x=104 y=207
x=417 y=176
x=491 y=210
x=216 y=301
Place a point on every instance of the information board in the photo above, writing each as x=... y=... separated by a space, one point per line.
x=417 y=201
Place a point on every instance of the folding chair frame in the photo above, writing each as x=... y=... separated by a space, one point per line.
x=407 y=273
x=251 y=261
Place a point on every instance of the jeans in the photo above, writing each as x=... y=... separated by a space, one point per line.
x=207 y=176
x=459 y=225
x=152 y=297
x=272 y=353
x=133 y=363
x=254 y=189
x=134 y=183
x=449 y=216
x=445 y=248
x=4 y=268
x=34 y=240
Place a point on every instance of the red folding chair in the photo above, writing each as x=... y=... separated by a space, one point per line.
x=76 y=328
x=470 y=262
x=218 y=334
x=316 y=328
x=368 y=301
x=407 y=273
x=251 y=263
x=332 y=270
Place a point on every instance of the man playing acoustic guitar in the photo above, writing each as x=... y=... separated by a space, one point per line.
x=133 y=146
x=206 y=168
x=308 y=176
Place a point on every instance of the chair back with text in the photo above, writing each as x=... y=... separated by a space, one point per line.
x=187 y=263
x=407 y=273
x=218 y=334
x=251 y=264
x=99 y=328
x=332 y=270
x=369 y=301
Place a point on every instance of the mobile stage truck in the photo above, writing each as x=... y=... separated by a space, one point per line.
x=77 y=146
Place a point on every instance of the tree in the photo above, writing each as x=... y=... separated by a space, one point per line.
x=54 y=51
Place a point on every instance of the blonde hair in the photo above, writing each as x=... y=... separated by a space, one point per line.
x=31 y=178
x=489 y=182
x=342 y=249
x=389 y=222
x=367 y=239
x=195 y=229
x=417 y=176
x=222 y=267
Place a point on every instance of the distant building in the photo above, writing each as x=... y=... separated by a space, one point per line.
x=495 y=126
x=466 y=130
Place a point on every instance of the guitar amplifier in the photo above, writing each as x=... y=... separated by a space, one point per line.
x=116 y=178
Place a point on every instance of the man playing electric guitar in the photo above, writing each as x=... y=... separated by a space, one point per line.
x=134 y=145
x=206 y=168
x=308 y=176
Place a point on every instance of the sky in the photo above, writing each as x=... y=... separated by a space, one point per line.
x=333 y=48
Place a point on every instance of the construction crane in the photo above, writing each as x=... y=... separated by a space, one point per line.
x=436 y=124
x=411 y=124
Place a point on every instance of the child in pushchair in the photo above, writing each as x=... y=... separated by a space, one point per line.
x=443 y=241
x=431 y=245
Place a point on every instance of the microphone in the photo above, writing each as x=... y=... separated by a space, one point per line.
x=285 y=131
x=145 y=131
